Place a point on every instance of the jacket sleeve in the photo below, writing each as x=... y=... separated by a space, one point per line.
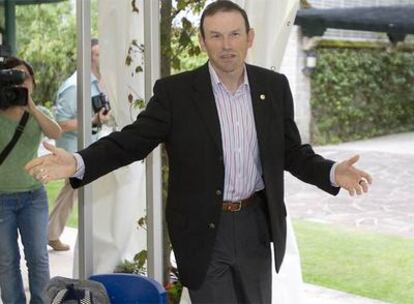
x=134 y=142
x=301 y=160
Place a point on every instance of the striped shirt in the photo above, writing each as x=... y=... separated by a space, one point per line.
x=243 y=170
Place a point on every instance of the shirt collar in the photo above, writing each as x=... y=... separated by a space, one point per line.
x=93 y=78
x=216 y=80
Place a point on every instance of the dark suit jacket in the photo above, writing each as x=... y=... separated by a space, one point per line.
x=183 y=115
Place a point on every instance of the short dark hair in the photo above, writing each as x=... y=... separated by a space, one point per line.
x=94 y=41
x=222 y=6
x=12 y=62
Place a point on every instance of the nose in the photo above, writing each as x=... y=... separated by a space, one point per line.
x=226 y=43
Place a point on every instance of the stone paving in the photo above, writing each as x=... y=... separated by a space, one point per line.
x=389 y=205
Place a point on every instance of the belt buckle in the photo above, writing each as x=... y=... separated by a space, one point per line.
x=239 y=205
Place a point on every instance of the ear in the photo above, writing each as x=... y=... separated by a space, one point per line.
x=201 y=41
x=250 y=37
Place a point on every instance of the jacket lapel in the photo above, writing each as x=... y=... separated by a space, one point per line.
x=261 y=102
x=204 y=101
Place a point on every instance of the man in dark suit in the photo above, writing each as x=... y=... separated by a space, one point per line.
x=229 y=132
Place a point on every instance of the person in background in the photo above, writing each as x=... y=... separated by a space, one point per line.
x=66 y=116
x=23 y=200
x=229 y=132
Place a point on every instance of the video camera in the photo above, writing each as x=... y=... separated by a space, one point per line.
x=11 y=91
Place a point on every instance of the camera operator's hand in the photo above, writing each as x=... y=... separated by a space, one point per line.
x=31 y=106
x=59 y=164
x=101 y=117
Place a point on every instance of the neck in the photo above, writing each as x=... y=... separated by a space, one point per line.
x=231 y=80
x=13 y=112
x=96 y=72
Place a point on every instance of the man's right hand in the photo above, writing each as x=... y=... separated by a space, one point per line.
x=59 y=164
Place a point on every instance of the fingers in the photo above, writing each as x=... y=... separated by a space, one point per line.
x=364 y=175
x=353 y=160
x=33 y=164
x=41 y=175
x=49 y=147
x=37 y=165
x=364 y=185
x=357 y=187
x=351 y=192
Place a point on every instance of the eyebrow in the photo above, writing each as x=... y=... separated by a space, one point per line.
x=217 y=32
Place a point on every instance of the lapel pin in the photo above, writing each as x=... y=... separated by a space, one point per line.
x=262 y=97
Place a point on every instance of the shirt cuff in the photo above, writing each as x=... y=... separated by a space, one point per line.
x=332 y=175
x=80 y=166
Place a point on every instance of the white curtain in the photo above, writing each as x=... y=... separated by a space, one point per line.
x=272 y=21
x=119 y=197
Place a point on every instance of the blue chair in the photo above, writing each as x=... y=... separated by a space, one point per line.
x=124 y=288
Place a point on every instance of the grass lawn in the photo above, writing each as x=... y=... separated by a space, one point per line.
x=53 y=189
x=368 y=264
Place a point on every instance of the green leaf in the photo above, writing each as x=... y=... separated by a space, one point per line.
x=139 y=69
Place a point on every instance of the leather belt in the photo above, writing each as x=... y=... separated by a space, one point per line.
x=238 y=205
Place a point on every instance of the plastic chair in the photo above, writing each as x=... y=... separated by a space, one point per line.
x=131 y=288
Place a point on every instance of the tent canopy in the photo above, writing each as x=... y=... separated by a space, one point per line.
x=396 y=21
x=19 y=2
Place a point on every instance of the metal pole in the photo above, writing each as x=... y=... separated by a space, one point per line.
x=153 y=161
x=85 y=229
x=10 y=24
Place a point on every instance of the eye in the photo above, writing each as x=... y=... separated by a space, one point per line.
x=235 y=34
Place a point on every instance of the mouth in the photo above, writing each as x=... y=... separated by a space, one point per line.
x=227 y=57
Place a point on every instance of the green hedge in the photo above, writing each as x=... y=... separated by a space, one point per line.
x=361 y=93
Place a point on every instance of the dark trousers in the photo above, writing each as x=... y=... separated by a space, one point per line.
x=240 y=268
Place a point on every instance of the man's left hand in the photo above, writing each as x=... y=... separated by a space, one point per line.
x=351 y=178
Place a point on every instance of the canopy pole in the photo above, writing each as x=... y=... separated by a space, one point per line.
x=153 y=161
x=10 y=25
x=85 y=229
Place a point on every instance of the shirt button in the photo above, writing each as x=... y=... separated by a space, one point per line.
x=218 y=192
x=211 y=226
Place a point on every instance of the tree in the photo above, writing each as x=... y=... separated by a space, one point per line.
x=46 y=37
x=178 y=33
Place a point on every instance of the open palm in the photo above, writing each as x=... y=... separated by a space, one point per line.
x=59 y=164
x=351 y=178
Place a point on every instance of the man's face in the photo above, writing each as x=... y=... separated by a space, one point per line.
x=95 y=58
x=226 y=41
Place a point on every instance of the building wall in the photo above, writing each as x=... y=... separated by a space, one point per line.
x=292 y=65
x=294 y=58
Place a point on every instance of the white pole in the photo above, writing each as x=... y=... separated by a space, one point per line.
x=153 y=161
x=83 y=26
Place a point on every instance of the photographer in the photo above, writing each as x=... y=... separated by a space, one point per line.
x=23 y=200
x=66 y=116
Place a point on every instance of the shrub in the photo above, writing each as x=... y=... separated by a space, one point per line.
x=361 y=93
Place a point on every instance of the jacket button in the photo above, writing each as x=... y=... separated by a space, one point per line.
x=211 y=226
x=218 y=192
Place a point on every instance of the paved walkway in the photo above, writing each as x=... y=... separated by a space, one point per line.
x=387 y=208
